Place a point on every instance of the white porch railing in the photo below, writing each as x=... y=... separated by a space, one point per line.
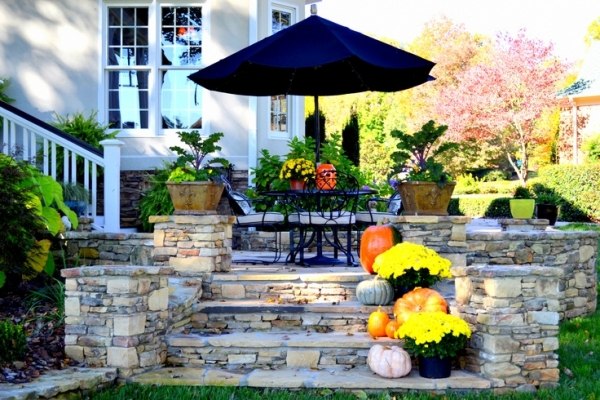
x=28 y=138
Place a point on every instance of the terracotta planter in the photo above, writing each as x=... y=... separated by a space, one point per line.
x=522 y=208
x=425 y=198
x=297 y=184
x=195 y=197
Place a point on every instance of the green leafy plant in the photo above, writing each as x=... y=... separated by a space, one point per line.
x=13 y=341
x=4 y=84
x=34 y=207
x=191 y=164
x=74 y=192
x=414 y=159
x=266 y=173
x=522 y=192
x=156 y=200
x=52 y=294
x=86 y=128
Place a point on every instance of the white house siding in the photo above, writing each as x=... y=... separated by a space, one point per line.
x=51 y=51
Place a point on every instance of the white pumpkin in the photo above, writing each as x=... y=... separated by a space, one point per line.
x=389 y=362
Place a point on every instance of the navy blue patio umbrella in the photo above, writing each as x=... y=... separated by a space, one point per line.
x=315 y=57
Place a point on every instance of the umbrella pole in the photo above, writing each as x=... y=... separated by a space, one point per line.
x=317 y=132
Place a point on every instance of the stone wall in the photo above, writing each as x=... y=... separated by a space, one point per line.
x=117 y=316
x=573 y=254
x=99 y=248
x=514 y=314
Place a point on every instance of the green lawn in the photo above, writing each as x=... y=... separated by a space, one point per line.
x=579 y=355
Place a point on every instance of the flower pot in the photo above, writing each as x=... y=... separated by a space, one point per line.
x=195 y=197
x=522 y=208
x=435 y=367
x=425 y=198
x=297 y=184
x=547 y=211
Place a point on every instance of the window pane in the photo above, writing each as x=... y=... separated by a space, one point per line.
x=181 y=31
x=181 y=101
x=128 y=99
x=279 y=113
x=130 y=31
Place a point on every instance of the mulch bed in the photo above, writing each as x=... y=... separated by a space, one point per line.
x=45 y=340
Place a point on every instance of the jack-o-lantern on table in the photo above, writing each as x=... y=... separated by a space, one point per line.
x=326 y=177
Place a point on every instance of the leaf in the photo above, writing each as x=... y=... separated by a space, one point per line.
x=2 y=278
x=53 y=221
x=37 y=258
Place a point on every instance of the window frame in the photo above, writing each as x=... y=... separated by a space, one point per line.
x=291 y=101
x=154 y=67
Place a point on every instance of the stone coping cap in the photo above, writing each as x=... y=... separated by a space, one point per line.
x=531 y=235
x=115 y=270
x=506 y=270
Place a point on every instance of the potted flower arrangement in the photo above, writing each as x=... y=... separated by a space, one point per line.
x=75 y=196
x=425 y=187
x=434 y=338
x=298 y=171
x=195 y=183
x=408 y=265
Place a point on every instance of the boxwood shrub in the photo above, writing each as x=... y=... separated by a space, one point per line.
x=579 y=189
x=480 y=206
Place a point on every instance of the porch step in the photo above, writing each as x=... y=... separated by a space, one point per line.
x=285 y=283
x=359 y=378
x=259 y=315
x=272 y=350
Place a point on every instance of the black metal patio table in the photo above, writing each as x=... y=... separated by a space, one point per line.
x=319 y=211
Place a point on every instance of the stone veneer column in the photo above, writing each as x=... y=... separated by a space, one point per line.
x=117 y=316
x=446 y=235
x=193 y=244
x=513 y=311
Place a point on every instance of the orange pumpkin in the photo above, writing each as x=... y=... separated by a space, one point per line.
x=375 y=240
x=326 y=177
x=377 y=323
x=419 y=299
x=391 y=328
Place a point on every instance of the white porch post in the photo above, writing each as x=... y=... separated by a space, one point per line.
x=112 y=184
x=575 y=131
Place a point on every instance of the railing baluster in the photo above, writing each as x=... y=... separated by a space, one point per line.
x=53 y=169
x=73 y=167
x=95 y=191
x=46 y=169
x=65 y=164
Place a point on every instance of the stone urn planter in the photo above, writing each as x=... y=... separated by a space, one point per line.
x=195 y=197
x=425 y=198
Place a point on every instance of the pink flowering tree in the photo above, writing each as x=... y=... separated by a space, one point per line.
x=502 y=99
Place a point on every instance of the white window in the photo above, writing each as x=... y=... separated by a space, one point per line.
x=149 y=52
x=279 y=107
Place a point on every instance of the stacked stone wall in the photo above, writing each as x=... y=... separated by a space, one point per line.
x=514 y=314
x=573 y=254
x=117 y=316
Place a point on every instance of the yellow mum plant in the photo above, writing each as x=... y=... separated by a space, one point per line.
x=297 y=168
x=434 y=334
x=411 y=265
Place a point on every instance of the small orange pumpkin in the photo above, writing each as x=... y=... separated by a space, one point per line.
x=391 y=328
x=377 y=323
x=375 y=240
x=326 y=177
x=419 y=299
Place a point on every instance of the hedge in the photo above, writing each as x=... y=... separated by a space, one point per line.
x=579 y=189
x=480 y=206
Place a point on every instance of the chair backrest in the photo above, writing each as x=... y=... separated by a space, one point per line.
x=394 y=205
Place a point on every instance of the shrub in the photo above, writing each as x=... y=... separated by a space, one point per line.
x=466 y=184
x=577 y=185
x=494 y=176
x=480 y=206
x=156 y=200
x=13 y=341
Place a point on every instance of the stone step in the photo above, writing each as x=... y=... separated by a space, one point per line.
x=278 y=316
x=272 y=350
x=285 y=282
x=359 y=378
